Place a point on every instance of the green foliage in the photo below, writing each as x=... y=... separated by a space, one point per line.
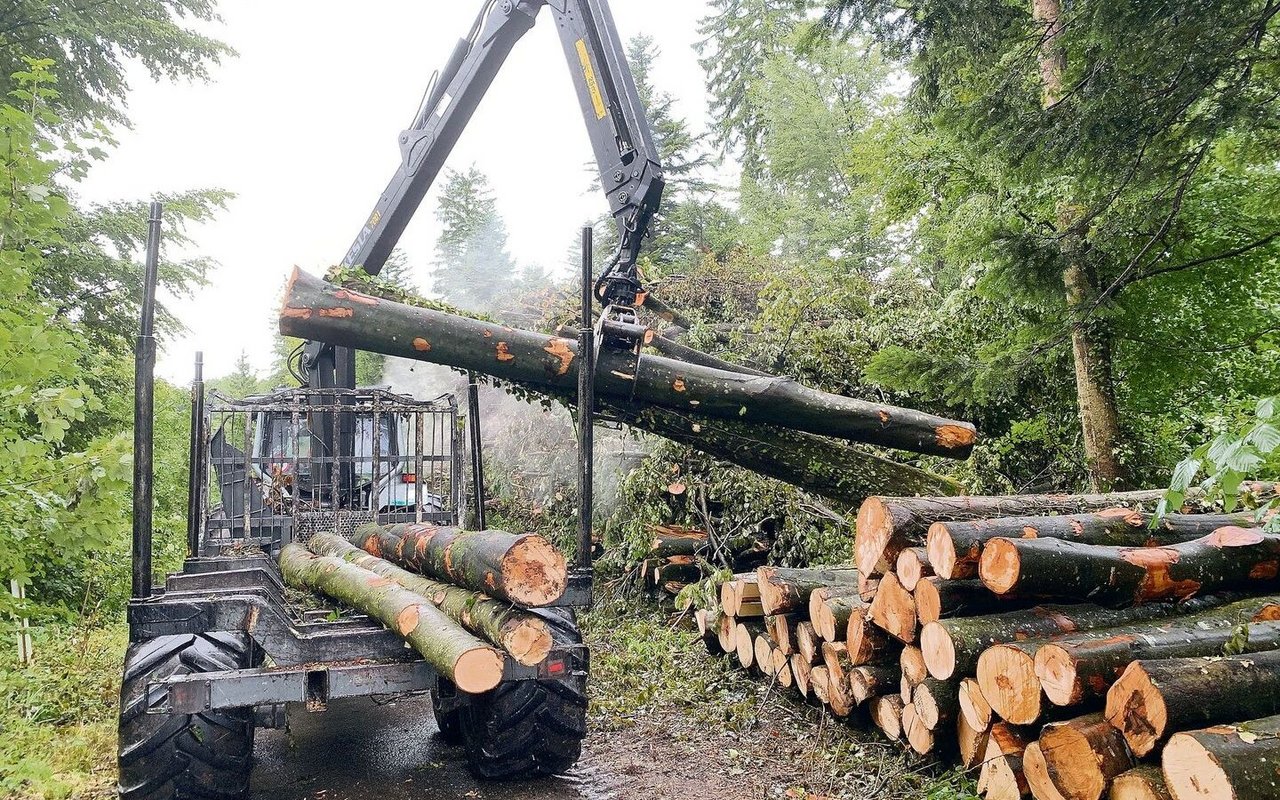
x=95 y=44
x=1245 y=448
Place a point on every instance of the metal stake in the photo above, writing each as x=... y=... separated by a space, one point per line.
x=197 y=476
x=144 y=387
x=586 y=409
x=477 y=450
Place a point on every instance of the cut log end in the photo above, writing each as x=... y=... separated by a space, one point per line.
x=1137 y=709
x=534 y=572
x=942 y=552
x=1057 y=672
x=874 y=530
x=478 y=670
x=1144 y=782
x=1037 y=775
x=1007 y=677
x=528 y=642
x=973 y=706
x=1000 y=566
x=1193 y=772
x=938 y=650
x=1083 y=755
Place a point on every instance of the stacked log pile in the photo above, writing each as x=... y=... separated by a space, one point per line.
x=461 y=599
x=678 y=556
x=1057 y=646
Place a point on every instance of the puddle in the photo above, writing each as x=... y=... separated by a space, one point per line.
x=360 y=750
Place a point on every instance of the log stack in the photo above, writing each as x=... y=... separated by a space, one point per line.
x=1059 y=646
x=458 y=598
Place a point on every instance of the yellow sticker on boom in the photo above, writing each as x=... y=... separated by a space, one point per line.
x=593 y=86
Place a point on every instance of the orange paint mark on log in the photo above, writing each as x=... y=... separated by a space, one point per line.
x=1268 y=613
x=377 y=582
x=1233 y=536
x=1077 y=527
x=504 y=354
x=1064 y=623
x=488 y=334
x=1150 y=557
x=559 y=348
x=421 y=345
x=649 y=335
x=407 y=620
x=955 y=436
x=1158 y=582
x=356 y=297
x=1265 y=570
x=884 y=417
x=678 y=385
x=490 y=580
x=296 y=313
x=1029 y=532
x=337 y=313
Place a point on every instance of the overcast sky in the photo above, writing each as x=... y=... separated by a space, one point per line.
x=302 y=127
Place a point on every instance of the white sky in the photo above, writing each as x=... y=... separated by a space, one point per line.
x=303 y=126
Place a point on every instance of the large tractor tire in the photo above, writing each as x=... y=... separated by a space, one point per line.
x=198 y=756
x=527 y=729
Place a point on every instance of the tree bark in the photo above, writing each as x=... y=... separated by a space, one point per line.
x=525 y=636
x=526 y=570
x=952 y=646
x=955 y=548
x=887 y=525
x=471 y=664
x=1234 y=762
x=1143 y=782
x=708 y=622
x=672 y=540
x=1228 y=558
x=786 y=589
x=318 y=311
x=1153 y=699
x=1083 y=756
x=1080 y=668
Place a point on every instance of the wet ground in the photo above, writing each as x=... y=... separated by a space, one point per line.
x=361 y=750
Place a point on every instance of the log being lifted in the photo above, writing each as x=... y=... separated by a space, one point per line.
x=1228 y=558
x=1225 y=762
x=525 y=636
x=1153 y=699
x=954 y=548
x=471 y=664
x=526 y=570
x=319 y=311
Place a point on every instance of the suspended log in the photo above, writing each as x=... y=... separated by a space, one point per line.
x=1231 y=762
x=887 y=525
x=1230 y=557
x=937 y=702
x=1153 y=699
x=937 y=598
x=869 y=681
x=471 y=664
x=318 y=311
x=954 y=548
x=1006 y=675
x=1002 y=776
x=786 y=589
x=912 y=565
x=1143 y=782
x=865 y=642
x=1080 y=668
x=894 y=610
x=886 y=713
x=973 y=705
x=526 y=570
x=525 y=636
x=1082 y=756
x=952 y=646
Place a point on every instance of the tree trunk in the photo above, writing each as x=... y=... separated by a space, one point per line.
x=1143 y=782
x=525 y=636
x=727 y=633
x=972 y=743
x=318 y=311
x=1153 y=699
x=887 y=525
x=801 y=668
x=937 y=599
x=1036 y=772
x=526 y=570
x=734 y=592
x=865 y=642
x=830 y=609
x=919 y=737
x=744 y=641
x=1228 y=558
x=780 y=628
x=671 y=540
x=785 y=589
x=1083 y=756
x=709 y=630
x=912 y=666
x=894 y=610
x=937 y=702
x=1233 y=762
x=808 y=643
x=1081 y=667
x=955 y=548
x=952 y=646
x=471 y=664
